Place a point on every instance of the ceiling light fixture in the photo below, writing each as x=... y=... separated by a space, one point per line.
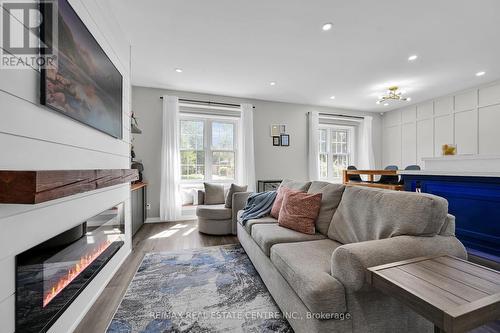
x=480 y=73
x=332 y=97
x=178 y=70
x=327 y=26
x=394 y=94
x=385 y=104
x=412 y=57
x=272 y=83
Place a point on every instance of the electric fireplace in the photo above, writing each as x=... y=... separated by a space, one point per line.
x=50 y=275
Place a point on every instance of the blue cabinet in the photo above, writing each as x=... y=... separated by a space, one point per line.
x=475 y=202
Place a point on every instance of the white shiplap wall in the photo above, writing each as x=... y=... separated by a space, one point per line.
x=470 y=119
x=33 y=137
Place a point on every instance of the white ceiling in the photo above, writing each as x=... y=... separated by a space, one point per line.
x=236 y=47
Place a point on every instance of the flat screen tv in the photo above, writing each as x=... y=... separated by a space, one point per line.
x=84 y=85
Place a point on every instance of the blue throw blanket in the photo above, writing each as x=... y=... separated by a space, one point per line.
x=258 y=205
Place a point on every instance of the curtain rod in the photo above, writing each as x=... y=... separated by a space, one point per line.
x=340 y=115
x=207 y=102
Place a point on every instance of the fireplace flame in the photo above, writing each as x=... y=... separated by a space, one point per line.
x=74 y=271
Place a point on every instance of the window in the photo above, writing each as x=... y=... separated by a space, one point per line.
x=208 y=149
x=192 y=150
x=335 y=151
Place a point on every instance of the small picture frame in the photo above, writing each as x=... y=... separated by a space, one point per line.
x=276 y=141
x=282 y=129
x=285 y=140
x=275 y=130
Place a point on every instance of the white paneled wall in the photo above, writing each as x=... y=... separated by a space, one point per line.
x=33 y=137
x=470 y=119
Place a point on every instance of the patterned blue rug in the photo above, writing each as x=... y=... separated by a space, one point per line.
x=214 y=289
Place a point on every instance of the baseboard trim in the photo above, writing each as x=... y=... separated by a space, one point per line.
x=153 y=220
x=158 y=220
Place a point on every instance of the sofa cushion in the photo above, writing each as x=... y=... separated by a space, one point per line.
x=306 y=266
x=232 y=190
x=267 y=235
x=368 y=214
x=331 y=196
x=214 y=194
x=296 y=185
x=264 y=220
x=278 y=201
x=299 y=211
x=214 y=212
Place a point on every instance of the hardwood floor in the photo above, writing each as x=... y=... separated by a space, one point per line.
x=157 y=237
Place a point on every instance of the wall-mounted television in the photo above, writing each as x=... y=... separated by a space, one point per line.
x=84 y=85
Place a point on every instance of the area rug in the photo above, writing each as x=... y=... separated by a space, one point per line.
x=214 y=289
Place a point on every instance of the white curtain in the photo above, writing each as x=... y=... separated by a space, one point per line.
x=313 y=142
x=246 y=156
x=170 y=198
x=366 y=158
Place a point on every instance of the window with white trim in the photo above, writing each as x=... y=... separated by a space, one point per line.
x=336 y=151
x=208 y=149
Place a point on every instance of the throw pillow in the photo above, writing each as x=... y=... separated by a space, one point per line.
x=234 y=189
x=275 y=210
x=299 y=211
x=214 y=194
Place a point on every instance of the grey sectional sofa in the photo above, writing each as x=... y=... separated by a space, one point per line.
x=318 y=281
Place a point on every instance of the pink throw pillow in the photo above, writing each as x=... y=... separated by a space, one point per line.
x=299 y=211
x=275 y=210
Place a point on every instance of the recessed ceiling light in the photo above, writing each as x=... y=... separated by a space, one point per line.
x=327 y=26
x=272 y=83
x=408 y=99
x=412 y=57
x=385 y=104
x=377 y=102
x=480 y=73
x=178 y=70
x=332 y=97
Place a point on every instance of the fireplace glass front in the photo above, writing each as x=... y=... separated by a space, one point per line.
x=50 y=275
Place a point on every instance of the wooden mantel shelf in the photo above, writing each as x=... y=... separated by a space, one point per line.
x=33 y=187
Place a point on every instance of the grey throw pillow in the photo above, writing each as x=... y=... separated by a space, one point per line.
x=214 y=194
x=234 y=189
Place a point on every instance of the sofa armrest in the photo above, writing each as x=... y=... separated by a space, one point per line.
x=239 y=202
x=201 y=197
x=350 y=261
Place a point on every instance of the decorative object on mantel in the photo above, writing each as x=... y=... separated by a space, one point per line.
x=139 y=167
x=33 y=187
x=134 y=125
x=449 y=149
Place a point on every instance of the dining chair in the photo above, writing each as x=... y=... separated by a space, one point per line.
x=354 y=178
x=385 y=179
x=410 y=167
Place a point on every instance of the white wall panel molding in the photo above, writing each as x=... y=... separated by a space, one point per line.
x=467 y=118
x=33 y=121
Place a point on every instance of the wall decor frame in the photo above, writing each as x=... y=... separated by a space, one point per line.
x=276 y=140
x=285 y=140
x=85 y=85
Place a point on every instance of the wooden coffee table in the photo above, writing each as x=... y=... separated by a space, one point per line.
x=454 y=294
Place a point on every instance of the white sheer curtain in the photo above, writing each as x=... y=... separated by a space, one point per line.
x=313 y=145
x=170 y=198
x=366 y=157
x=246 y=155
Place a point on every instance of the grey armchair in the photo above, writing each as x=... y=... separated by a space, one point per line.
x=218 y=219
